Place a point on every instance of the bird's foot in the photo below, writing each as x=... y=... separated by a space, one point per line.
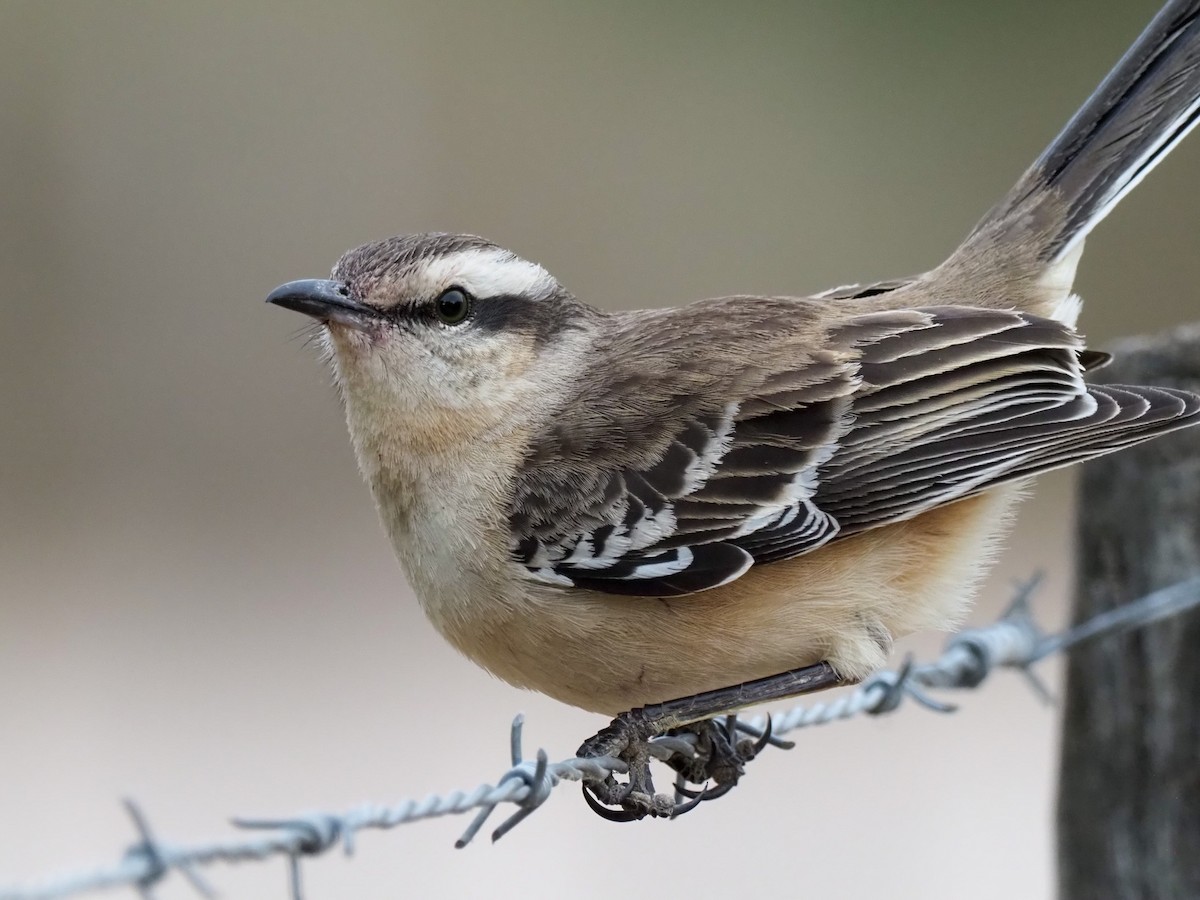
x=627 y=738
x=712 y=750
x=684 y=733
x=722 y=749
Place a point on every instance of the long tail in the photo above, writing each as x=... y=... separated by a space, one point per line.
x=1138 y=114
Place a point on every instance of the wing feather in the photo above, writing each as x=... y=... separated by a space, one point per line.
x=720 y=438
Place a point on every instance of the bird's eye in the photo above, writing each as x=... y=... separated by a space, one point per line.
x=453 y=306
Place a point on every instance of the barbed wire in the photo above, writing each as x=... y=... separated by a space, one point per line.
x=1013 y=642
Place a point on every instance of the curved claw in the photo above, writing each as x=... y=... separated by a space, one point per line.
x=719 y=791
x=612 y=815
x=609 y=791
x=782 y=743
x=761 y=744
x=698 y=797
x=707 y=792
x=688 y=792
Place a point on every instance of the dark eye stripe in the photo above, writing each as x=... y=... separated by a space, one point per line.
x=504 y=314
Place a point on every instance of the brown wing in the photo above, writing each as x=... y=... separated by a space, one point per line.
x=683 y=439
x=702 y=447
x=987 y=398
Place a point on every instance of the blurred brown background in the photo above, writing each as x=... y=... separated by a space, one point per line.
x=197 y=606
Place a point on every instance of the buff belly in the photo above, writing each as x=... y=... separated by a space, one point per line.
x=843 y=603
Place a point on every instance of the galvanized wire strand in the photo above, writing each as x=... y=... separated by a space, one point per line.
x=969 y=658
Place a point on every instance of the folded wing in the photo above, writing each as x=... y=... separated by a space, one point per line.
x=769 y=450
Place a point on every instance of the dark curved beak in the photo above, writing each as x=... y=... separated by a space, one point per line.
x=328 y=301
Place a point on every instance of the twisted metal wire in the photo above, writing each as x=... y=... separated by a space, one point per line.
x=969 y=658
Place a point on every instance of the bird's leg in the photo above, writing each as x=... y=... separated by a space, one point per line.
x=720 y=754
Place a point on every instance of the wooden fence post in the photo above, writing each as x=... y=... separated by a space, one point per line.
x=1129 y=786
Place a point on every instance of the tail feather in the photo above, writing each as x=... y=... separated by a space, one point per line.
x=1145 y=106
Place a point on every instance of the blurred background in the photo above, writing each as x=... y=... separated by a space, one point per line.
x=198 y=608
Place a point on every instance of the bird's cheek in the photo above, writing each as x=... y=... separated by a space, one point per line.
x=355 y=342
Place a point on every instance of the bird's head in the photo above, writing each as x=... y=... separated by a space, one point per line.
x=434 y=337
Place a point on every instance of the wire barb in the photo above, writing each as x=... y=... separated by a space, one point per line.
x=148 y=853
x=1013 y=642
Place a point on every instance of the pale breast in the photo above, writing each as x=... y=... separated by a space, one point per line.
x=843 y=603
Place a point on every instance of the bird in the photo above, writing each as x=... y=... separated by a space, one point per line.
x=667 y=515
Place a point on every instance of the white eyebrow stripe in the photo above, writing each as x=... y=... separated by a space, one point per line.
x=486 y=272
